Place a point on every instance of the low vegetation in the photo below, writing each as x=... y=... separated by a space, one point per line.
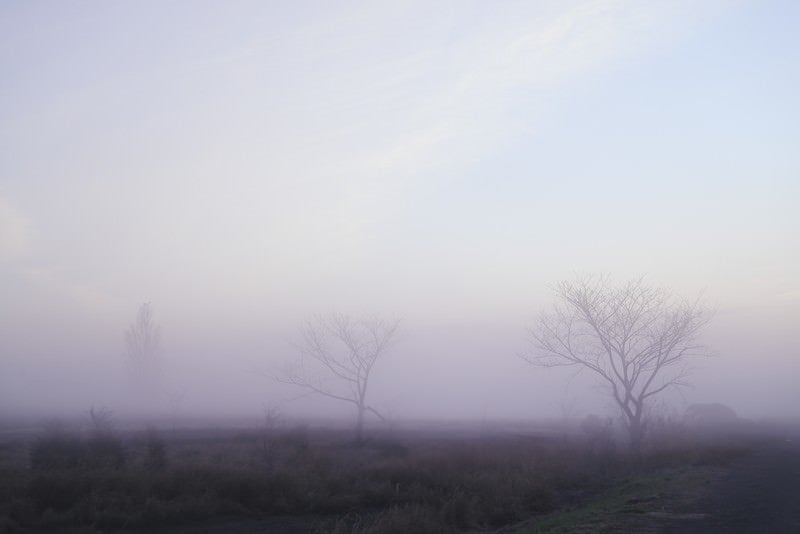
x=316 y=480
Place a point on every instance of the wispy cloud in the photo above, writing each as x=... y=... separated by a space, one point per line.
x=442 y=108
x=268 y=149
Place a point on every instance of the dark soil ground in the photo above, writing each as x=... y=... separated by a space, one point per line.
x=754 y=491
x=759 y=493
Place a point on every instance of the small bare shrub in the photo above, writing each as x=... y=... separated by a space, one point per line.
x=155 y=451
x=102 y=420
x=269 y=427
x=297 y=440
x=599 y=433
x=104 y=448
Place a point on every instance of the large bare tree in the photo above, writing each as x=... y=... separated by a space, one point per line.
x=637 y=338
x=336 y=355
x=142 y=349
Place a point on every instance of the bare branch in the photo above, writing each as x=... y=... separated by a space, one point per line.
x=336 y=355
x=634 y=336
x=143 y=348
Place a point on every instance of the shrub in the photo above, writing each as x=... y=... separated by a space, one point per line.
x=105 y=451
x=57 y=450
x=155 y=458
x=297 y=440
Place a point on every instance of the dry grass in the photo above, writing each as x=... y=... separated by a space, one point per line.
x=149 y=480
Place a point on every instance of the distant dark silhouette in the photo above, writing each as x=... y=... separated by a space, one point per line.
x=636 y=338
x=710 y=415
x=142 y=350
x=336 y=355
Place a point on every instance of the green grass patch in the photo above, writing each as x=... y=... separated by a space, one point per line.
x=635 y=504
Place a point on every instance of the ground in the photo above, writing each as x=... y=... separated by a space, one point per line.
x=757 y=491
x=454 y=479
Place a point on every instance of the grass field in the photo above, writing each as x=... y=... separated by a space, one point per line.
x=300 y=479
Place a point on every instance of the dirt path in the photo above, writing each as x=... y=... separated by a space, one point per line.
x=759 y=494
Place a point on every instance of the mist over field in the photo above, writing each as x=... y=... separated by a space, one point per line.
x=247 y=166
x=366 y=267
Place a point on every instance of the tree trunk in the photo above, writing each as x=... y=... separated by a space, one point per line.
x=635 y=434
x=360 y=425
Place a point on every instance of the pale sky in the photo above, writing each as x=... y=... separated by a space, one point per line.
x=245 y=164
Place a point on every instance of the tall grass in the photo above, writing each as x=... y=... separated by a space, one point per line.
x=144 y=480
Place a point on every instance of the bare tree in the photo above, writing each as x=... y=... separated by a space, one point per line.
x=336 y=357
x=142 y=348
x=635 y=337
x=102 y=420
x=270 y=423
